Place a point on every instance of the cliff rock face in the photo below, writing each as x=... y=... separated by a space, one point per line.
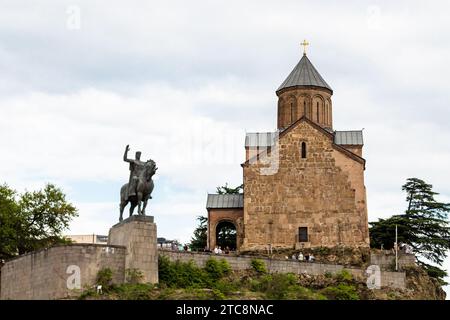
x=422 y=286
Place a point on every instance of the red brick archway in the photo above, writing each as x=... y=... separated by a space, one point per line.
x=231 y=241
x=217 y=216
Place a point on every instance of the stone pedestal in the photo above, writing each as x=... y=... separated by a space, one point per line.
x=138 y=235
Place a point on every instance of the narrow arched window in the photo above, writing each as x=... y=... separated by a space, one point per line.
x=323 y=113
x=304 y=108
x=317 y=112
x=303 y=150
x=293 y=113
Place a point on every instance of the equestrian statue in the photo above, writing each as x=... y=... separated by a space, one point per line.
x=140 y=184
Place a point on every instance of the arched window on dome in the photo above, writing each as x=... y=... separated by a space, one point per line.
x=303 y=150
x=304 y=108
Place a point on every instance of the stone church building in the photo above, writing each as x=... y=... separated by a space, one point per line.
x=304 y=183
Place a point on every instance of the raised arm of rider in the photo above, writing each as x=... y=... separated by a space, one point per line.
x=125 y=155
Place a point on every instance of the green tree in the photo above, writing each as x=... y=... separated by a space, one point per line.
x=228 y=190
x=8 y=222
x=423 y=226
x=198 y=241
x=32 y=220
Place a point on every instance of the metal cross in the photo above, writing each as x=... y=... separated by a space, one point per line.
x=304 y=44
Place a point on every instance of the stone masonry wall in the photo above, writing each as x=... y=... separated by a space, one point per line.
x=324 y=192
x=138 y=235
x=45 y=274
x=388 y=279
x=386 y=261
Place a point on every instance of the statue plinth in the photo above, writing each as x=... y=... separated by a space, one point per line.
x=138 y=234
x=135 y=218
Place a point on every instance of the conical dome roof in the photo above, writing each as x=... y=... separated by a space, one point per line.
x=304 y=74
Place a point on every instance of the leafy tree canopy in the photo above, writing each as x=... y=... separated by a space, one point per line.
x=32 y=220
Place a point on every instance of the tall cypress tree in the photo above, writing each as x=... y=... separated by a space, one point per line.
x=424 y=226
x=198 y=241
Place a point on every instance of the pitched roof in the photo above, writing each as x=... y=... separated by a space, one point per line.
x=349 y=137
x=221 y=201
x=267 y=139
x=304 y=74
x=324 y=131
x=260 y=139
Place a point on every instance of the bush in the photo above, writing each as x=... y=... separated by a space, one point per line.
x=218 y=295
x=226 y=286
x=188 y=275
x=104 y=278
x=301 y=293
x=344 y=275
x=181 y=274
x=341 y=292
x=141 y=291
x=217 y=269
x=259 y=266
x=276 y=286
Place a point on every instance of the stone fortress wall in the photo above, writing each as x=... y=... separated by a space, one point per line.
x=388 y=278
x=64 y=271
x=52 y=273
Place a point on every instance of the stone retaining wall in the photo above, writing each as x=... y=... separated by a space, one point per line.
x=386 y=261
x=388 y=279
x=51 y=273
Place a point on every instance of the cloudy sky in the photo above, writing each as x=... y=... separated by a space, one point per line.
x=183 y=81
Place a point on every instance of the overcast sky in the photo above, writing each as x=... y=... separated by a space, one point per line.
x=183 y=81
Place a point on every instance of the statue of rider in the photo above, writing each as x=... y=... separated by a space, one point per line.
x=136 y=168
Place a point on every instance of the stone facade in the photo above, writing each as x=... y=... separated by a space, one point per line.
x=138 y=235
x=388 y=279
x=45 y=274
x=323 y=192
x=301 y=189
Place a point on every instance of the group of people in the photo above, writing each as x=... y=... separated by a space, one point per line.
x=303 y=257
x=178 y=247
x=219 y=250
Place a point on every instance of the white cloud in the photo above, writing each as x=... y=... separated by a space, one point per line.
x=181 y=81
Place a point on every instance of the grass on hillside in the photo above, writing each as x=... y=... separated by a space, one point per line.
x=216 y=280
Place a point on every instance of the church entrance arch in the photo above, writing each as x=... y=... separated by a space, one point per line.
x=226 y=235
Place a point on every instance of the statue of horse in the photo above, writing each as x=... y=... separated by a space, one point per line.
x=144 y=190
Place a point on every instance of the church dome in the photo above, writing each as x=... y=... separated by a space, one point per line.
x=304 y=75
x=304 y=93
